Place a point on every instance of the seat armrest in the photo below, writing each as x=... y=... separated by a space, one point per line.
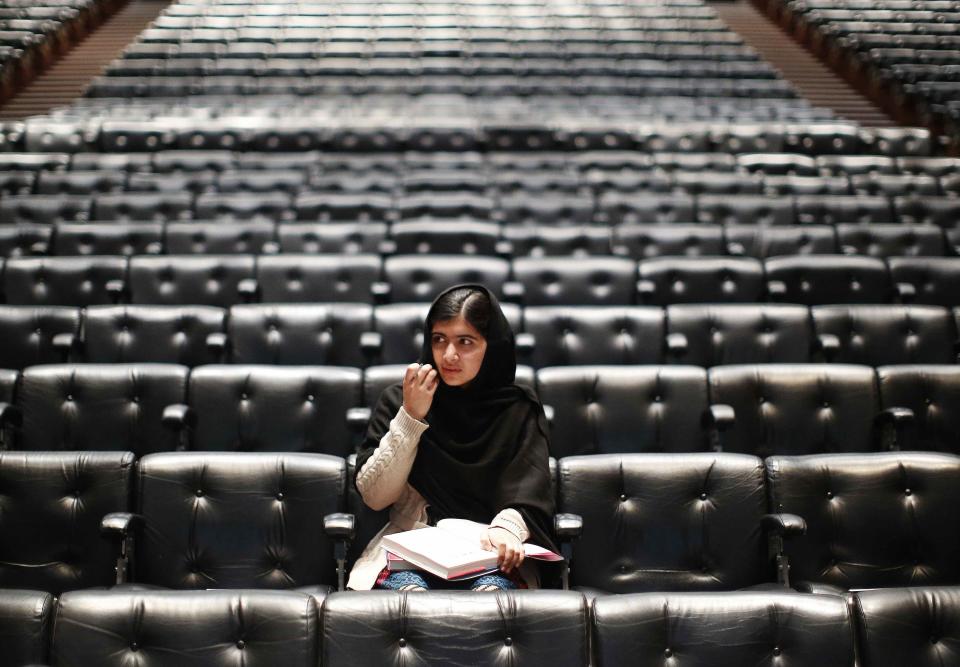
x=117 y=290
x=10 y=415
x=39 y=249
x=178 y=417
x=777 y=289
x=896 y=415
x=340 y=526
x=906 y=292
x=65 y=343
x=828 y=344
x=646 y=289
x=736 y=249
x=249 y=290
x=357 y=418
x=387 y=247
x=380 y=291
x=619 y=250
x=677 y=344
x=525 y=343
x=549 y=413
x=892 y=422
x=120 y=524
x=371 y=342
x=513 y=291
x=155 y=248
x=217 y=343
x=568 y=526
x=719 y=416
x=784 y=525
x=503 y=249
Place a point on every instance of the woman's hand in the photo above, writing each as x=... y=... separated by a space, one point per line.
x=507 y=545
x=419 y=384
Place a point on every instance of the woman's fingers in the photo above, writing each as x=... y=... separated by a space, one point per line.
x=410 y=373
x=502 y=556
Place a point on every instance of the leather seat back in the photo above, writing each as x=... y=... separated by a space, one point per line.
x=933 y=393
x=28 y=332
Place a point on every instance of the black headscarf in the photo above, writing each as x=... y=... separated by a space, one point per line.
x=486 y=448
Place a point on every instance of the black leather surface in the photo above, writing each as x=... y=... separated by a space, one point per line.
x=666 y=522
x=702 y=280
x=455 y=628
x=761 y=241
x=61 y=281
x=651 y=240
x=935 y=279
x=213 y=238
x=107 y=238
x=26 y=618
x=310 y=278
x=416 y=280
x=209 y=280
x=99 y=406
x=588 y=281
x=184 y=628
x=237 y=520
x=274 y=408
x=933 y=393
x=52 y=506
x=881 y=519
x=833 y=279
x=722 y=629
x=27 y=334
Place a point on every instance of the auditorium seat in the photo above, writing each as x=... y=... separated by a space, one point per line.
x=627 y=409
x=891 y=240
x=231 y=206
x=180 y=182
x=664 y=522
x=235 y=237
x=411 y=278
x=44 y=209
x=642 y=241
x=148 y=334
x=544 y=281
x=451 y=238
x=348 y=238
x=26 y=621
x=36 y=335
x=828 y=279
x=143 y=206
x=932 y=394
x=798 y=408
x=91 y=407
x=745 y=210
x=24 y=239
x=873 y=520
x=80 y=182
x=310 y=278
x=616 y=208
x=110 y=238
x=209 y=280
x=761 y=241
x=64 y=281
x=740 y=628
x=188 y=628
x=927 y=280
x=344 y=207
x=669 y=280
x=53 y=505
x=833 y=210
x=233 y=520
x=553 y=241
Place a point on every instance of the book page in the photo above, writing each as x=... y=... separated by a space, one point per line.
x=471 y=530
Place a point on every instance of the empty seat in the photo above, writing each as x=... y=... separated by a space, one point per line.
x=927 y=280
x=344 y=207
x=932 y=392
x=550 y=241
x=925 y=210
x=88 y=407
x=64 y=281
x=24 y=239
x=145 y=206
x=270 y=206
x=142 y=334
x=415 y=278
x=590 y=281
x=667 y=280
x=298 y=334
x=616 y=208
x=132 y=238
x=745 y=210
x=651 y=240
x=833 y=210
x=313 y=278
x=279 y=627
x=78 y=182
x=25 y=625
x=761 y=241
x=873 y=520
x=891 y=240
x=209 y=280
x=271 y=408
x=740 y=628
x=886 y=334
x=556 y=209
x=895 y=185
x=219 y=238
x=816 y=279
x=666 y=522
x=437 y=237
x=36 y=335
x=53 y=505
x=44 y=209
x=797 y=408
x=719 y=334
x=626 y=409
x=332 y=238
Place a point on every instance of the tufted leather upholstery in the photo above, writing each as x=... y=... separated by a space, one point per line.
x=567 y=335
x=292 y=334
x=933 y=393
x=23 y=239
x=8 y=384
x=918 y=625
x=797 y=408
x=61 y=281
x=26 y=618
x=880 y=519
x=615 y=409
x=833 y=209
x=512 y=627
x=716 y=334
x=232 y=206
x=891 y=240
x=551 y=241
x=617 y=208
x=52 y=506
x=164 y=334
x=347 y=238
x=934 y=280
x=108 y=238
x=887 y=334
x=816 y=279
x=532 y=208
x=650 y=240
x=667 y=280
x=232 y=520
x=147 y=206
x=923 y=210
x=742 y=628
x=185 y=628
x=90 y=407
x=303 y=278
x=745 y=210
x=590 y=281
x=27 y=334
x=762 y=242
x=43 y=209
x=209 y=280
x=666 y=521
x=273 y=408
x=466 y=238
x=413 y=278
x=344 y=207
x=212 y=238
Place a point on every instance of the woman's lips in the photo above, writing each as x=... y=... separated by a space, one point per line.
x=449 y=370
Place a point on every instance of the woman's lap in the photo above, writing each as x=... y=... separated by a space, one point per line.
x=406 y=579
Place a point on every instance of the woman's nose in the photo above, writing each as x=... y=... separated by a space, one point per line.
x=450 y=352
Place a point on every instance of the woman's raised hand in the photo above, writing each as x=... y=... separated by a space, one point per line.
x=419 y=384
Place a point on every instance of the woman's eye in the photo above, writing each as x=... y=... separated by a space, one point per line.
x=466 y=341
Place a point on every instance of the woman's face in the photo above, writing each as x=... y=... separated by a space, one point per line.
x=458 y=350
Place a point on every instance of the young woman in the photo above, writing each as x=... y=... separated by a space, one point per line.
x=458 y=439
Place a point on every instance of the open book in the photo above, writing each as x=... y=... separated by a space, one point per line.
x=450 y=550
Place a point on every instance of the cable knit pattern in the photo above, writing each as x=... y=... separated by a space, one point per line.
x=510 y=520
x=383 y=477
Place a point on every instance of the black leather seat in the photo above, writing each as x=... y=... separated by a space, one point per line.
x=891 y=240
x=833 y=210
x=248 y=408
x=927 y=280
x=669 y=280
x=932 y=393
x=317 y=278
x=645 y=240
x=553 y=241
x=923 y=210
x=36 y=335
x=218 y=238
x=24 y=239
x=873 y=520
x=594 y=281
x=412 y=278
x=344 y=207
x=50 y=534
x=110 y=238
x=231 y=206
x=452 y=627
x=142 y=334
x=146 y=206
x=761 y=242
x=797 y=408
x=666 y=522
x=828 y=279
x=718 y=334
x=44 y=209
x=740 y=628
x=571 y=335
x=189 y=628
x=208 y=280
x=626 y=409
x=348 y=238
x=615 y=208
x=26 y=621
x=461 y=238
x=745 y=210
x=64 y=281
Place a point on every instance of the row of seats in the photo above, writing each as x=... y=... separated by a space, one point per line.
x=360 y=335
x=881 y=628
x=532 y=207
x=760 y=409
x=635 y=241
x=650 y=522
x=226 y=280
